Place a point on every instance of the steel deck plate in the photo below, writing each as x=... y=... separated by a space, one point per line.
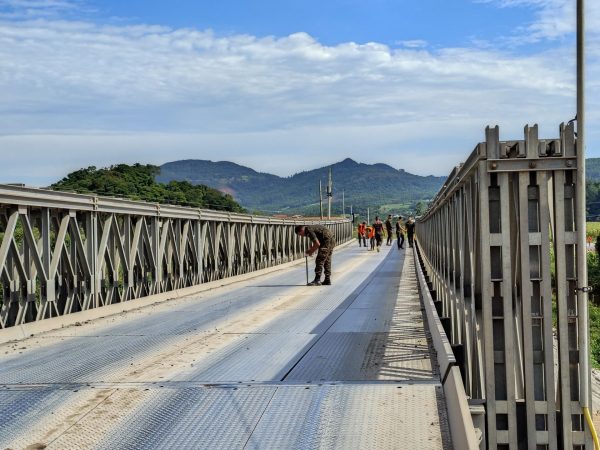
x=366 y=356
x=290 y=321
x=206 y=418
x=233 y=368
x=250 y=357
x=248 y=417
x=354 y=417
x=34 y=417
x=80 y=359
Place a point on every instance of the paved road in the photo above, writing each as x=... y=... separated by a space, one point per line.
x=266 y=363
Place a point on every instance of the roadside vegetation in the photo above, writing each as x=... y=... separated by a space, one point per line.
x=593 y=260
x=594 y=320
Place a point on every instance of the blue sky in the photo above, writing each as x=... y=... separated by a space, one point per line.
x=282 y=86
x=440 y=22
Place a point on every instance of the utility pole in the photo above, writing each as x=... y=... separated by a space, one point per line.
x=329 y=194
x=343 y=205
x=321 y=198
x=368 y=218
x=582 y=278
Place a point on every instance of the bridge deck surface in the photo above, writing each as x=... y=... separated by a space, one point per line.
x=264 y=363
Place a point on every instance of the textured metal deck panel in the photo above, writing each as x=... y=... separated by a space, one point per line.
x=292 y=321
x=354 y=417
x=36 y=416
x=265 y=363
x=366 y=356
x=380 y=336
x=250 y=357
x=206 y=418
x=80 y=359
x=245 y=417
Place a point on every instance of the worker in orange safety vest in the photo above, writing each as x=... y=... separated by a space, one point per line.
x=362 y=234
x=371 y=236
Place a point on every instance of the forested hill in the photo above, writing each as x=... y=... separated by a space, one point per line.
x=592 y=169
x=137 y=182
x=364 y=185
x=592 y=174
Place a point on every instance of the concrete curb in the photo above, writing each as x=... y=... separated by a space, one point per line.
x=462 y=428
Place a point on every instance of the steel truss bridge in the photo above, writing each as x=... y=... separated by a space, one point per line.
x=133 y=325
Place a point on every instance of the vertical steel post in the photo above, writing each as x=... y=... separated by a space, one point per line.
x=91 y=230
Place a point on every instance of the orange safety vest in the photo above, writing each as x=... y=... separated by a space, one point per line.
x=361 y=229
x=370 y=232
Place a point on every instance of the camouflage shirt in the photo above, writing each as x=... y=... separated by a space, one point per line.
x=320 y=233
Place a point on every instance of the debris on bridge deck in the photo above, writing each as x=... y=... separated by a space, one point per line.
x=259 y=364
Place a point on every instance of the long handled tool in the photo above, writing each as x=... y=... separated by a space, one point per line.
x=306 y=258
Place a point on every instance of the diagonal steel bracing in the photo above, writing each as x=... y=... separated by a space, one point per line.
x=62 y=253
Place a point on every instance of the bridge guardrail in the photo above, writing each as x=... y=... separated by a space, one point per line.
x=500 y=244
x=62 y=253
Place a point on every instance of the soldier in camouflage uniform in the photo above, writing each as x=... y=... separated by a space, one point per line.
x=321 y=238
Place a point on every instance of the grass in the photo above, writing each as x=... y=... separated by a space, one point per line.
x=593 y=262
x=594 y=321
x=593 y=229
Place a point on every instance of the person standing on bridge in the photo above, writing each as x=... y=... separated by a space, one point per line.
x=400 y=230
x=388 y=229
x=378 y=227
x=410 y=231
x=371 y=237
x=362 y=234
x=321 y=239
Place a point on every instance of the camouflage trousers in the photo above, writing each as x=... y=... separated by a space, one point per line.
x=324 y=260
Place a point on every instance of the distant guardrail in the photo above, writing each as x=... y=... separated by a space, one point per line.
x=62 y=253
x=501 y=247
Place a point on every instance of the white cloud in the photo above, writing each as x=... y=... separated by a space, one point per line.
x=554 y=19
x=29 y=9
x=414 y=43
x=77 y=93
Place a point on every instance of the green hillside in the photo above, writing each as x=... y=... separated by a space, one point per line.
x=137 y=182
x=592 y=169
x=238 y=181
x=376 y=186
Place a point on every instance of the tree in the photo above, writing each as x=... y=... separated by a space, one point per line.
x=420 y=208
x=136 y=182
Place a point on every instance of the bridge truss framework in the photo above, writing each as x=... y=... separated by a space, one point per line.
x=62 y=253
x=499 y=244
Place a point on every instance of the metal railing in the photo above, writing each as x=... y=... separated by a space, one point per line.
x=500 y=247
x=62 y=253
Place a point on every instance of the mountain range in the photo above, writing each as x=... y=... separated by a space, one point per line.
x=376 y=186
